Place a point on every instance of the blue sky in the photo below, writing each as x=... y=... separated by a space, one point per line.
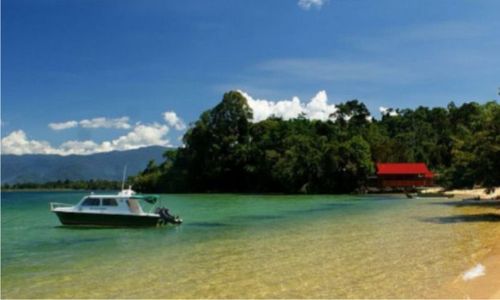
x=129 y=62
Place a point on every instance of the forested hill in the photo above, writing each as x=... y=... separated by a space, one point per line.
x=37 y=168
x=226 y=152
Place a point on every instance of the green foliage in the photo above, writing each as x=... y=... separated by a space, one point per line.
x=476 y=152
x=66 y=185
x=225 y=152
x=217 y=147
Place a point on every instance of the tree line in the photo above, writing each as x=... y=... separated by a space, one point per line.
x=65 y=185
x=224 y=151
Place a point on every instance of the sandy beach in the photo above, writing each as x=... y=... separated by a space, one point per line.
x=474 y=193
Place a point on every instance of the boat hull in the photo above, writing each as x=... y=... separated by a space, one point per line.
x=99 y=219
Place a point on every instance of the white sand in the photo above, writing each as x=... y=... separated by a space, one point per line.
x=472 y=193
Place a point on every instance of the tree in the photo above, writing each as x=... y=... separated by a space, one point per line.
x=217 y=147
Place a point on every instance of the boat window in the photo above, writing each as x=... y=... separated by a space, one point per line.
x=91 y=202
x=109 y=202
x=133 y=205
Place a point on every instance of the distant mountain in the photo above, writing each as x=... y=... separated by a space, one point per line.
x=109 y=165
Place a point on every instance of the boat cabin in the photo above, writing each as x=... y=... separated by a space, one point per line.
x=105 y=203
x=404 y=175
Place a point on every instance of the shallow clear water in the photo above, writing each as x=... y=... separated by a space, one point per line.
x=247 y=246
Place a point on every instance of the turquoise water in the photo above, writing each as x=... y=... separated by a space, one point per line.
x=250 y=246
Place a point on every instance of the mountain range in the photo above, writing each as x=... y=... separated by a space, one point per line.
x=41 y=168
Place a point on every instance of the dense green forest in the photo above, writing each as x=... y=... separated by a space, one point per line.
x=224 y=151
x=66 y=185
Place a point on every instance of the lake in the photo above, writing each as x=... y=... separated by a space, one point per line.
x=247 y=246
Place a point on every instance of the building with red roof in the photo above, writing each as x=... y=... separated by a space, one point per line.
x=404 y=175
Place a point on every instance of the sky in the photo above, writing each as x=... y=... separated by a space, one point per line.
x=87 y=76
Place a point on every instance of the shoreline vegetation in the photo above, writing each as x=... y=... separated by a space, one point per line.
x=64 y=185
x=226 y=151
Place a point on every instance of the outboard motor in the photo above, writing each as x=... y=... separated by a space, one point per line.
x=166 y=217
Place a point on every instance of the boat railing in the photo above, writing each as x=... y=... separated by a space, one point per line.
x=54 y=205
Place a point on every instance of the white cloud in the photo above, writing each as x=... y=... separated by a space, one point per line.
x=387 y=111
x=308 y=4
x=383 y=110
x=317 y=108
x=17 y=143
x=118 y=123
x=141 y=136
x=173 y=120
x=63 y=125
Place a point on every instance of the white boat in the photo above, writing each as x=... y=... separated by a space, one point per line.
x=122 y=209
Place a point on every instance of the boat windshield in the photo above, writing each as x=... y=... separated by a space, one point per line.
x=134 y=206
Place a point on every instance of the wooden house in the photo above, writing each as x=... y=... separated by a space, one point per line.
x=403 y=175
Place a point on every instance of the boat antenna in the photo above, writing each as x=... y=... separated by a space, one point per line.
x=123 y=178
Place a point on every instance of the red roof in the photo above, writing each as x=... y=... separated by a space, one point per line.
x=403 y=168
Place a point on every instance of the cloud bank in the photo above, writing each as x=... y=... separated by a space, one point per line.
x=316 y=109
x=139 y=135
x=118 y=123
x=18 y=142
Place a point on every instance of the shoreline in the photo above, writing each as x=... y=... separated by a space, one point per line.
x=480 y=193
x=475 y=193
